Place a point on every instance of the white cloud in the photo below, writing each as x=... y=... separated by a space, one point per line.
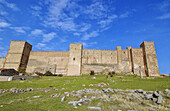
x=165 y=16
x=36 y=8
x=63 y=39
x=96 y=10
x=57 y=18
x=67 y=24
x=48 y=37
x=63 y=15
x=40 y=45
x=76 y=34
x=87 y=36
x=56 y=7
x=164 y=6
x=125 y=15
x=10 y=5
x=107 y=21
x=20 y=29
x=37 y=32
x=4 y=24
x=85 y=44
x=36 y=11
x=3 y=13
x=85 y=27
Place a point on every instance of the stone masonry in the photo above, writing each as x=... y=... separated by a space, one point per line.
x=77 y=61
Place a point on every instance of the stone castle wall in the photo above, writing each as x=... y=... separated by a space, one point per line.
x=141 y=61
x=53 y=61
x=98 y=60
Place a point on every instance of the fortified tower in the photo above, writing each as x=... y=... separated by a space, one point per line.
x=75 y=60
x=150 y=58
x=18 y=55
x=119 y=58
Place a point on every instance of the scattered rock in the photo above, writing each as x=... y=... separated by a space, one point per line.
x=154 y=100
x=160 y=99
x=55 y=89
x=29 y=89
x=149 y=96
x=140 y=91
x=55 y=95
x=134 y=95
x=144 y=92
x=166 y=91
x=94 y=108
x=37 y=96
x=156 y=93
x=47 y=90
x=99 y=84
x=150 y=92
x=167 y=106
x=63 y=98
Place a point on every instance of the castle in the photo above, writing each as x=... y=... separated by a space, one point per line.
x=78 y=61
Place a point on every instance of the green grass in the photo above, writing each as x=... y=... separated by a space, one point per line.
x=20 y=102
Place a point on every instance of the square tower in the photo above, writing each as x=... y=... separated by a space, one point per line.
x=75 y=60
x=18 y=55
x=150 y=58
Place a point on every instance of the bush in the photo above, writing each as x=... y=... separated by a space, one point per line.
x=39 y=74
x=60 y=75
x=48 y=73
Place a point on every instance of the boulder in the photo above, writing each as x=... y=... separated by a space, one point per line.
x=154 y=100
x=166 y=91
x=149 y=96
x=160 y=99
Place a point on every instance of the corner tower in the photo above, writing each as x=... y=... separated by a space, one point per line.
x=150 y=58
x=18 y=55
x=75 y=61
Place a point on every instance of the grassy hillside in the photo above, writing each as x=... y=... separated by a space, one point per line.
x=25 y=101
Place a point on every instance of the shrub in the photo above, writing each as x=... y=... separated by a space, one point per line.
x=39 y=74
x=60 y=75
x=48 y=73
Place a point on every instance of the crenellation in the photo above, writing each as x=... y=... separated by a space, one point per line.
x=141 y=61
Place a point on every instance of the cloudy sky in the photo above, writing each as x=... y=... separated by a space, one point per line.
x=99 y=24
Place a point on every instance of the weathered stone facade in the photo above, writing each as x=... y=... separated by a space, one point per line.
x=141 y=61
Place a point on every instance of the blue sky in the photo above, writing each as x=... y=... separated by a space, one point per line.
x=98 y=24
